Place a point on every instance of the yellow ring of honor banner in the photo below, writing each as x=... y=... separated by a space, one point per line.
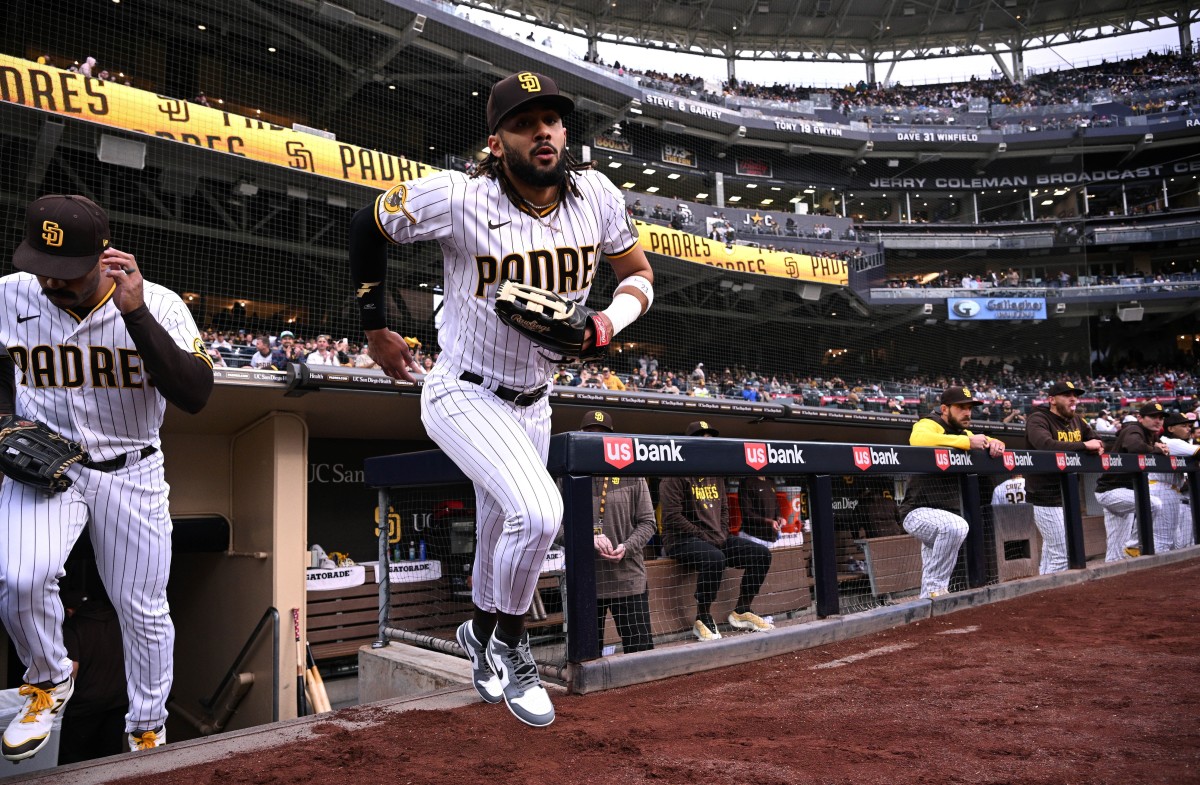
x=128 y=108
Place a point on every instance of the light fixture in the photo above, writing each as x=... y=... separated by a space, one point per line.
x=647 y=171
x=735 y=198
x=766 y=201
x=751 y=185
x=614 y=164
x=701 y=196
x=201 y=27
x=652 y=189
x=272 y=49
x=627 y=186
x=673 y=176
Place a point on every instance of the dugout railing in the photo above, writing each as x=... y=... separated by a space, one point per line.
x=575 y=458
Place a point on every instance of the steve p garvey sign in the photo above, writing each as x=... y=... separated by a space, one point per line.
x=740 y=258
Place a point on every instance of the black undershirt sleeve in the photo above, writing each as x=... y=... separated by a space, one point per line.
x=182 y=377
x=368 y=268
x=8 y=392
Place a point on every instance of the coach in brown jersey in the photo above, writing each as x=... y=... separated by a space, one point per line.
x=1115 y=491
x=1055 y=426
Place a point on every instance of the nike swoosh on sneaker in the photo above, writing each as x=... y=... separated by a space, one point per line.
x=497 y=226
x=23 y=319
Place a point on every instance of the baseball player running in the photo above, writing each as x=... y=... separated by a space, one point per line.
x=530 y=214
x=931 y=509
x=1056 y=427
x=96 y=352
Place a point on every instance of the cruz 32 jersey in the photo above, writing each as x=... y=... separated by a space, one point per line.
x=486 y=239
x=81 y=374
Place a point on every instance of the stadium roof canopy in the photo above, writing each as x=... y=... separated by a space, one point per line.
x=848 y=30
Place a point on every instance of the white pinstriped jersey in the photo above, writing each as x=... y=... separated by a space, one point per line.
x=1011 y=491
x=487 y=239
x=84 y=377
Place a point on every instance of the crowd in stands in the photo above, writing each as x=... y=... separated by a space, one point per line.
x=1012 y=278
x=1150 y=84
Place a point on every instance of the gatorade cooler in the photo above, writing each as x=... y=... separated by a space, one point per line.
x=793 y=506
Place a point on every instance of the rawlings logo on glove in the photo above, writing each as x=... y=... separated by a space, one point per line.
x=552 y=321
x=35 y=455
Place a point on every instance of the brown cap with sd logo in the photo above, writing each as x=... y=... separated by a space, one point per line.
x=513 y=92
x=64 y=237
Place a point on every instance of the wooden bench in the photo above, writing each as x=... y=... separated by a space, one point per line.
x=341 y=621
x=787 y=588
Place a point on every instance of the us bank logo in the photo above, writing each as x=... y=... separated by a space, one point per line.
x=966 y=309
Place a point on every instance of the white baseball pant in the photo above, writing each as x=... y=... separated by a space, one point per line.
x=1120 y=516
x=1052 y=525
x=941 y=534
x=1184 y=531
x=1166 y=521
x=131 y=534
x=502 y=447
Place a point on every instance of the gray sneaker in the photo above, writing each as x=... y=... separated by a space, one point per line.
x=527 y=699
x=486 y=683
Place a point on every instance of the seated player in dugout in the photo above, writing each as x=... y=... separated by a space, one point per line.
x=759 y=506
x=695 y=525
x=622 y=523
x=932 y=509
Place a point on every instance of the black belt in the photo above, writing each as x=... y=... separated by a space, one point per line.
x=121 y=461
x=518 y=397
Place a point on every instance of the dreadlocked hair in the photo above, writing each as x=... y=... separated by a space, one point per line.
x=491 y=167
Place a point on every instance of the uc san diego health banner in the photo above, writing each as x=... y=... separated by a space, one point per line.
x=740 y=258
x=985 y=309
x=120 y=106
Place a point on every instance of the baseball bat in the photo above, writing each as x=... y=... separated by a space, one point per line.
x=301 y=691
x=319 y=683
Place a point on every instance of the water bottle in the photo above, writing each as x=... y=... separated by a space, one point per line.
x=412 y=551
x=422 y=550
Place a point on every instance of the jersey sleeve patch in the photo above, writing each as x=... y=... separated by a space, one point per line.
x=395 y=200
x=201 y=351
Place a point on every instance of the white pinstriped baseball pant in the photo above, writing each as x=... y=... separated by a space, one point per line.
x=1169 y=528
x=502 y=448
x=1120 y=517
x=941 y=534
x=131 y=534
x=1052 y=525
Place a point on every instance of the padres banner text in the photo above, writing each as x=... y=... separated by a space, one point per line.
x=780 y=264
x=74 y=95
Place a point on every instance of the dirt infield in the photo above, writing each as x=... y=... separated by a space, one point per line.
x=1093 y=683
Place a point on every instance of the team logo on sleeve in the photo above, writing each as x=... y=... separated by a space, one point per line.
x=396 y=201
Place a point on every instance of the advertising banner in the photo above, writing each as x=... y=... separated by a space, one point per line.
x=986 y=309
x=681 y=156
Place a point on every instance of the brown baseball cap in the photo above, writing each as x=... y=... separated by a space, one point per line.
x=1152 y=410
x=1175 y=418
x=64 y=237
x=596 y=419
x=956 y=395
x=514 y=92
x=699 y=428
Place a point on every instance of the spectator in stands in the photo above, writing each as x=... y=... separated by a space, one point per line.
x=1104 y=424
x=364 y=358
x=288 y=351
x=622 y=524
x=761 y=518
x=676 y=221
x=695 y=525
x=342 y=353
x=932 y=509
x=1055 y=426
x=1114 y=491
x=89 y=67
x=1009 y=413
x=261 y=359
x=610 y=380
x=638 y=210
x=218 y=359
x=323 y=353
x=221 y=342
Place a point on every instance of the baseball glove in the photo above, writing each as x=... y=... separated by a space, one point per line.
x=554 y=322
x=35 y=455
